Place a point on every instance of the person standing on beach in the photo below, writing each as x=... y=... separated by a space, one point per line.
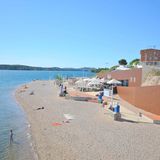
x=65 y=91
x=61 y=90
x=11 y=136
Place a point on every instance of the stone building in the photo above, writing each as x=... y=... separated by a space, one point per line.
x=150 y=61
x=150 y=57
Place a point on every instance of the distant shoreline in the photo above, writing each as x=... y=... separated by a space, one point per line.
x=31 y=68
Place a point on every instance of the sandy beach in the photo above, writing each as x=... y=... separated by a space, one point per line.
x=91 y=134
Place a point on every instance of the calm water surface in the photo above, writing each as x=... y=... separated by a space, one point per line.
x=13 y=117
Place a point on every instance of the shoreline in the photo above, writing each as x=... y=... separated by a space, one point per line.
x=91 y=134
x=28 y=125
x=19 y=91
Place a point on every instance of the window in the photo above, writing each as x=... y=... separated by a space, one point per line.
x=124 y=82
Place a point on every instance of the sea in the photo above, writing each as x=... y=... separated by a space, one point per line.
x=12 y=116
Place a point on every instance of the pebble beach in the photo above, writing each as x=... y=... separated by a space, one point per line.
x=90 y=133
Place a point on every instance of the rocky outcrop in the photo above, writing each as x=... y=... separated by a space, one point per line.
x=152 y=78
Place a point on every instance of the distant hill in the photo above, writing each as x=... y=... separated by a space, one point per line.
x=24 y=67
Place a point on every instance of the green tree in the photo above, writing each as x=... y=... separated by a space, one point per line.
x=99 y=70
x=113 y=68
x=134 y=62
x=122 y=62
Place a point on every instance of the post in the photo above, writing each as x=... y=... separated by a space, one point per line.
x=83 y=81
x=112 y=96
x=82 y=85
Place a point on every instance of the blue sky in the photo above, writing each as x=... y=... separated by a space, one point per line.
x=76 y=33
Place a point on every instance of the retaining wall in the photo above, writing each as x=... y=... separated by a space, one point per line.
x=146 y=98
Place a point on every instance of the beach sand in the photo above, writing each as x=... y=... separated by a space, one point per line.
x=91 y=134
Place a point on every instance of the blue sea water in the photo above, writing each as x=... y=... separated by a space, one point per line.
x=13 y=117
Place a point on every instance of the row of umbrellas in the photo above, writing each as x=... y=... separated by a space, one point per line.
x=114 y=81
x=95 y=82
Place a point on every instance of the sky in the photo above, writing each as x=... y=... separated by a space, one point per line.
x=77 y=33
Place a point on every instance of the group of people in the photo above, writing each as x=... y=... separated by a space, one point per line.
x=63 y=90
x=115 y=108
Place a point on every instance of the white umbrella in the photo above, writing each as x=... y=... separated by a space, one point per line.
x=87 y=79
x=81 y=83
x=94 y=82
x=103 y=80
x=114 y=81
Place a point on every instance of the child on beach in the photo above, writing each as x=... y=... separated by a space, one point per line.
x=11 y=136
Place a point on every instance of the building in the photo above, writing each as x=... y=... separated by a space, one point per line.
x=132 y=91
x=150 y=57
x=150 y=61
x=132 y=77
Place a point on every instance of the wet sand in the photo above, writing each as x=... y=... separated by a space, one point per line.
x=91 y=134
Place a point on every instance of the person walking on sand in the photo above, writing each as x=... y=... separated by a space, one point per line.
x=11 y=136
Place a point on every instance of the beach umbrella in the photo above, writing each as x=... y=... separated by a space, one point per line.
x=103 y=80
x=87 y=79
x=114 y=81
x=94 y=81
x=80 y=81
